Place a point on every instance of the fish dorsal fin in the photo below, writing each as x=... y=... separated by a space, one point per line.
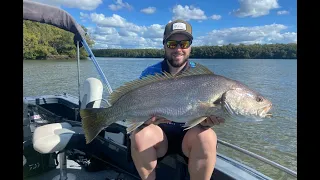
x=198 y=70
x=135 y=84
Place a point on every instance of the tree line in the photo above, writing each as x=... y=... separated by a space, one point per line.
x=43 y=41
x=230 y=51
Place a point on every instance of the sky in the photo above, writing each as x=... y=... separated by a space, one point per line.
x=129 y=24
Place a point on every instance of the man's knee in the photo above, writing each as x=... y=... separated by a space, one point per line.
x=206 y=139
x=148 y=137
x=207 y=136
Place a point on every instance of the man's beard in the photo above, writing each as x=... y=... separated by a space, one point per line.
x=175 y=63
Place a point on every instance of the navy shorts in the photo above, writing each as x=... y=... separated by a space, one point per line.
x=175 y=134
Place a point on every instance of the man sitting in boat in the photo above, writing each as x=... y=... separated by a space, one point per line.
x=152 y=143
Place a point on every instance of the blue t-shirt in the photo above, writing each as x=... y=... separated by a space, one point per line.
x=162 y=67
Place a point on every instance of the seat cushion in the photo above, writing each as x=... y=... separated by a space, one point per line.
x=52 y=137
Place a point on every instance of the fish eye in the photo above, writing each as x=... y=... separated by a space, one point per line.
x=259 y=99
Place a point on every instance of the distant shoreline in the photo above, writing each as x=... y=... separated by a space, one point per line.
x=256 y=51
x=61 y=58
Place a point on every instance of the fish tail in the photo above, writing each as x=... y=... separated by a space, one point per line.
x=94 y=120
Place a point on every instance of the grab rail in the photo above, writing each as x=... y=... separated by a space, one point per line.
x=92 y=57
x=274 y=164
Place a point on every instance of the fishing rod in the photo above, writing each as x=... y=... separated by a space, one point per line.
x=91 y=55
x=78 y=67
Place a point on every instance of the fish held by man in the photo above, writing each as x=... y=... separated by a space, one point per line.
x=189 y=98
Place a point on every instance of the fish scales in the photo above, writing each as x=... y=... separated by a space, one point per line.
x=168 y=98
x=188 y=98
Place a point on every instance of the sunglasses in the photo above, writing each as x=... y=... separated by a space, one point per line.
x=184 y=44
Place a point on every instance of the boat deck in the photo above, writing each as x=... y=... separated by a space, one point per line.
x=81 y=174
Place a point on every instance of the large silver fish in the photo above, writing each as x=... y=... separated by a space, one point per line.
x=189 y=97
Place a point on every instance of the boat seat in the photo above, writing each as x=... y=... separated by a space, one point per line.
x=52 y=137
x=59 y=137
x=92 y=93
x=91 y=98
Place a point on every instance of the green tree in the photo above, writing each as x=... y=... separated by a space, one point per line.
x=43 y=41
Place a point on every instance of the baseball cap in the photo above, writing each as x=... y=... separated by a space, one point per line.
x=177 y=27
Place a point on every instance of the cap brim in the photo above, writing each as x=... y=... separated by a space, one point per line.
x=179 y=32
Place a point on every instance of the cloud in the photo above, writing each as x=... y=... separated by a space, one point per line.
x=215 y=17
x=255 y=8
x=148 y=10
x=153 y=31
x=80 y=4
x=248 y=35
x=119 y=5
x=103 y=31
x=187 y=13
x=113 y=21
x=127 y=41
x=83 y=16
x=151 y=36
x=124 y=33
x=120 y=22
x=116 y=32
x=282 y=12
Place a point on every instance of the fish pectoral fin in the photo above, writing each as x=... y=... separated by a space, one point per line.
x=192 y=123
x=133 y=126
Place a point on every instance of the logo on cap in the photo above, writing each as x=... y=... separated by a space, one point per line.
x=180 y=26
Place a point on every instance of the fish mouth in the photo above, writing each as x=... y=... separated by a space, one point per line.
x=261 y=113
x=265 y=110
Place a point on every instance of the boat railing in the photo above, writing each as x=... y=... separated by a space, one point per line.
x=274 y=164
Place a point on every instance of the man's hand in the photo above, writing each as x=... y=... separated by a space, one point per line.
x=209 y=122
x=212 y=120
x=156 y=120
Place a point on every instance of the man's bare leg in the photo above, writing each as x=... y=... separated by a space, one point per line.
x=147 y=145
x=199 y=145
